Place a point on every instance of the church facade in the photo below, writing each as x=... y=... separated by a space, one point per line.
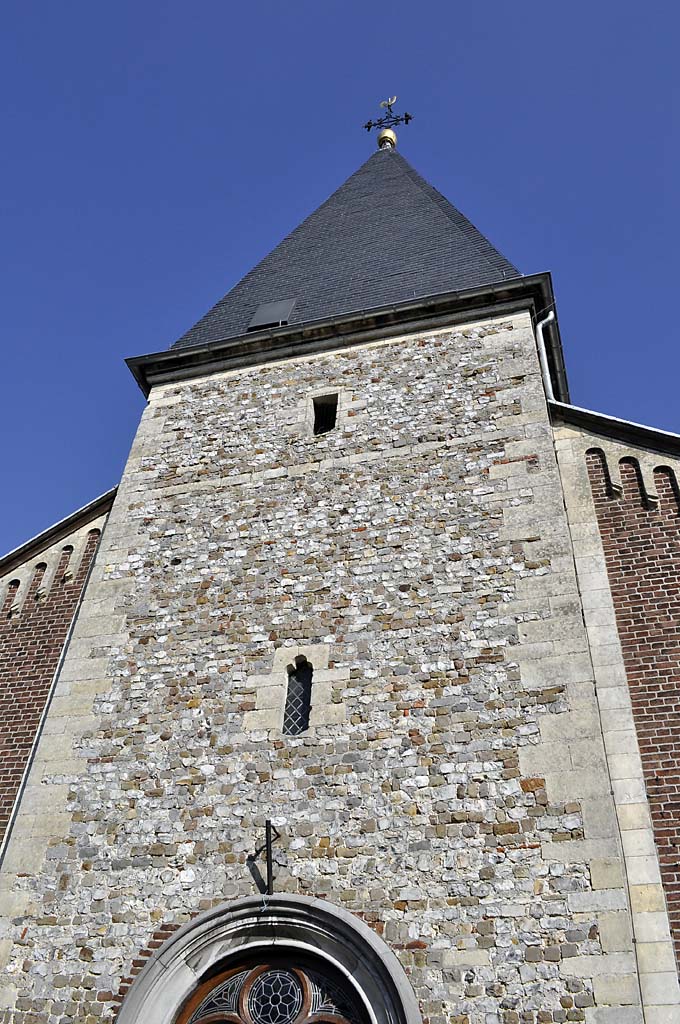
x=357 y=701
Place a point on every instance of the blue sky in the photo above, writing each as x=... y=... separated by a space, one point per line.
x=153 y=152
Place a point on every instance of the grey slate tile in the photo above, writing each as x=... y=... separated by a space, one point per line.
x=385 y=236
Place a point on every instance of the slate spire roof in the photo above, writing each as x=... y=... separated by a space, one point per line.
x=385 y=236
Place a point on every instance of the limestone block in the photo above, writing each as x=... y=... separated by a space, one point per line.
x=663 y=1014
x=605 y=636
x=628 y=791
x=554 y=628
x=52 y=825
x=652 y=927
x=271 y=679
x=655 y=957
x=613 y=697
x=576 y=784
x=581 y=696
x=616 y=934
x=317 y=655
x=267 y=718
x=606 y=653
x=633 y=816
x=81 y=646
x=68 y=726
x=55 y=748
x=616 y=990
x=52 y=770
x=599 y=818
x=660 y=989
x=606 y=874
x=327 y=714
x=508 y=469
x=572 y=725
x=615 y=1015
x=588 y=753
x=620 y=742
x=99 y=625
x=534 y=652
x=74 y=704
x=545 y=586
x=13 y=903
x=466 y=957
x=90 y=687
x=601 y=899
x=321 y=692
x=39 y=799
x=642 y=870
x=597 y=597
x=624 y=766
x=539 y=759
x=331 y=675
x=270 y=697
x=612 y=674
x=638 y=843
x=84 y=668
x=579 y=851
x=595 y=966
x=8 y=991
x=645 y=899
x=599 y=616
x=667 y=1014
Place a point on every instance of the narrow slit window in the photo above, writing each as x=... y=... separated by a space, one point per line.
x=298 y=697
x=325 y=413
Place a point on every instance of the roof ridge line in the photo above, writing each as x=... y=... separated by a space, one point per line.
x=91 y=510
x=459 y=221
x=384 y=235
x=270 y=253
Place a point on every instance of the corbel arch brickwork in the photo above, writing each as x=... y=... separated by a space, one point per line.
x=624 y=513
x=639 y=521
x=38 y=600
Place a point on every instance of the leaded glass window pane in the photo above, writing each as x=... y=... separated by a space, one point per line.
x=275 y=997
x=298 y=698
x=275 y=993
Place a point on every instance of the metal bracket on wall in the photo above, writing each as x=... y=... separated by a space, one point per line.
x=271 y=834
x=269 y=829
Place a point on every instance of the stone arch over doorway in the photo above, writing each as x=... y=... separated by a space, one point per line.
x=291 y=929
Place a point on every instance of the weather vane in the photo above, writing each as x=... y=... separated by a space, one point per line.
x=387 y=137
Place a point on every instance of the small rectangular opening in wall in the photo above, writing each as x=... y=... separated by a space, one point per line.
x=325 y=413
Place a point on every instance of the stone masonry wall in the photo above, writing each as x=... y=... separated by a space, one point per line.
x=37 y=603
x=452 y=789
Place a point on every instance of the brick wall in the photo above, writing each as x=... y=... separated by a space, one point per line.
x=641 y=540
x=35 y=617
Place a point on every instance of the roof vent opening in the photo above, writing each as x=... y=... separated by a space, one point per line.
x=272 y=314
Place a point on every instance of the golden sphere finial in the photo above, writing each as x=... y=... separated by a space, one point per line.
x=387 y=139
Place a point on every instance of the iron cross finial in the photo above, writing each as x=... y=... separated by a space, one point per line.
x=387 y=138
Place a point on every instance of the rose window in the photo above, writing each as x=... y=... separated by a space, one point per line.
x=274 y=994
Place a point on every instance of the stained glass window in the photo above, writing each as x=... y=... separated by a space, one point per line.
x=275 y=993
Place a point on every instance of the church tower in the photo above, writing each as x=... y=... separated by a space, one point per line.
x=343 y=730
